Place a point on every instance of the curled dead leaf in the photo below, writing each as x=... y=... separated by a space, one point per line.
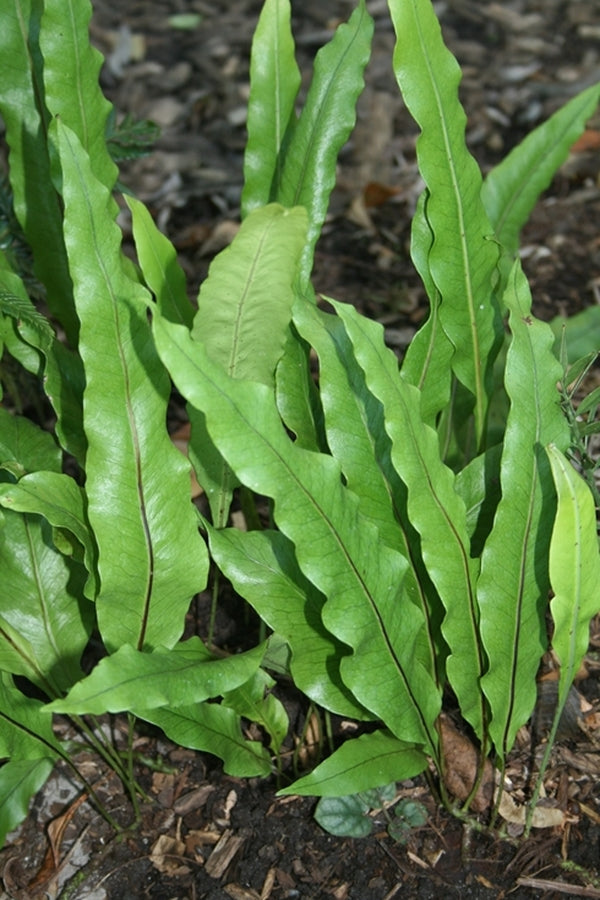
x=516 y=813
x=461 y=762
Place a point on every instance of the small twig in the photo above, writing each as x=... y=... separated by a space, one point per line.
x=563 y=887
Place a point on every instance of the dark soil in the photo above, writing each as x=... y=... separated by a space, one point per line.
x=203 y=834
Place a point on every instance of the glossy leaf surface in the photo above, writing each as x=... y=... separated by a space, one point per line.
x=34 y=345
x=328 y=116
x=574 y=568
x=274 y=84
x=513 y=585
x=263 y=569
x=61 y=502
x=369 y=761
x=24 y=447
x=249 y=284
x=213 y=728
x=356 y=436
x=158 y=261
x=245 y=304
x=71 y=81
x=336 y=548
x=20 y=780
x=185 y=674
x=511 y=189
x=28 y=745
x=428 y=357
x=44 y=621
x=36 y=203
x=462 y=260
x=151 y=559
x=434 y=508
x=253 y=701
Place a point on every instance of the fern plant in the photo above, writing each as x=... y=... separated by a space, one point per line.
x=417 y=528
x=421 y=513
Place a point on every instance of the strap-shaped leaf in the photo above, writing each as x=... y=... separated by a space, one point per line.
x=72 y=90
x=178 y=677
x=479 y=486
x=274 y=84
x=216 y=729
x=353 y=421
x=28 y=745
x=511 y=189
x=356 y=436
x=513 y=585
x=151 y=559
x=253 y=701
x=462 y=260
x=41 y=602
x=328 y=116
x=36 y=204
x=263 y=569
x=20 y=780
x=18 y=657
x=428 y=357
x=26 y=446
x=337 y=549
x=61 y=368
x=60 y=501
x=158 y=262
x=25 y=725
x=298 y=399
x=434 y=508
x=370 y=761
x=250 y=283
x=574 y=568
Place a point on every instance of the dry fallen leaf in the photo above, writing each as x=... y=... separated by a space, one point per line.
x=516 y=813
x=461 y=761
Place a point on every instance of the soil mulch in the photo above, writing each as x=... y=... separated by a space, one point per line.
x=202 y=833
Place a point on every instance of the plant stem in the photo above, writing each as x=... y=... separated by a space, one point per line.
x=544 y=763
